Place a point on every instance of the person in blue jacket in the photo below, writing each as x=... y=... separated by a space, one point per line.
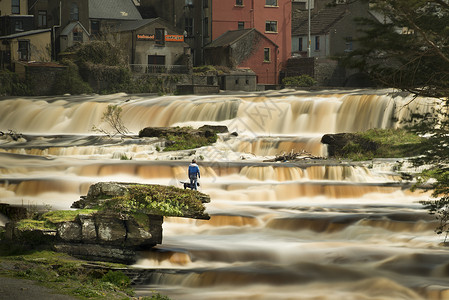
x=194 y=174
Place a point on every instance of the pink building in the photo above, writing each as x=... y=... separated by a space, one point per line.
x=270 y=17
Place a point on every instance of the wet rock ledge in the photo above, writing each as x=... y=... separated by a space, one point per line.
x=112 y=222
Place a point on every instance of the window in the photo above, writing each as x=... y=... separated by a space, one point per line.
x=18 y=26
x=239 y=2
x=317 y=43
x=42 y=19
x=78 y=36
x=271 y=2
x=266 y=54
x=271 y=26
x=15 y=7
x=241 y=25
x=205 y=3
x=24 y=50
x=95 y=27
x=206 y=27
x=189 y=3
x=74 y=12
x=159 y=36
x=189 y=26
x=300 y=44
x=348 y=44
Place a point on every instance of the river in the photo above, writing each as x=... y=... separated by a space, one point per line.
x=311 y=230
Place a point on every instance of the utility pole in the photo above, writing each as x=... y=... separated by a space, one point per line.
x=309 y=41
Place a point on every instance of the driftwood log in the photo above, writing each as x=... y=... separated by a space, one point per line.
x=293 y=156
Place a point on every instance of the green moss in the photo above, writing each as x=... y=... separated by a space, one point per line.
x=59 y=216
x=300 y=81
x=183 y=139
x=70 y=276
x=27 y=224
x=142 y=220
x=158 y=200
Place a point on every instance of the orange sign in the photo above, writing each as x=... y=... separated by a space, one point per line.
x=145 y=37
x=174 y=38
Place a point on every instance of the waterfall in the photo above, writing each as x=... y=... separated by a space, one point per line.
x=314 y=229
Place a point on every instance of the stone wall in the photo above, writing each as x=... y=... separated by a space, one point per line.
x=42 y=79
x=99 y=236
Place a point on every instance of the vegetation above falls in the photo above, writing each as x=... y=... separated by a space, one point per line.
x=375 y=143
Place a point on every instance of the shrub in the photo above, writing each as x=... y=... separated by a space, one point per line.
x=302 y=81
x=10 y=84
x=117 y=278
x=70 y=81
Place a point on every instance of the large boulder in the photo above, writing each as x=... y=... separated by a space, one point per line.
x=164 y=132
x=339 y=143
x=127 y=198
x=117 y=219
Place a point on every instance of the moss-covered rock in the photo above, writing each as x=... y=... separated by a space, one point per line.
x=182 y=138
x=133 y=198
x=113 y=221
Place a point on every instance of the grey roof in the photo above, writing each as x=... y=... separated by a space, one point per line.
x=113 y=10
x=70 y=27
x=132 y=24
x=24 y=33
x=321 y=23
x=232 y=36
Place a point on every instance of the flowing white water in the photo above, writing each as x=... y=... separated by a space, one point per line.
x=315 y=230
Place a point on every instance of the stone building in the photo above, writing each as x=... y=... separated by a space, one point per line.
x=246 y=48
x=153 y=46
x=191 y=17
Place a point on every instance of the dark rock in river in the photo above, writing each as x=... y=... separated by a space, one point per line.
x=337 y=143
x=163 y=132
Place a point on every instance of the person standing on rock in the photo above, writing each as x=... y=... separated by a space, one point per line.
x=194 y=174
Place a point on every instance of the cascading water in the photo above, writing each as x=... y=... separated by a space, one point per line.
x=312 y=230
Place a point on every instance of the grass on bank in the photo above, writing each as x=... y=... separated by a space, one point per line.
x=384 y=143
x=67 y=275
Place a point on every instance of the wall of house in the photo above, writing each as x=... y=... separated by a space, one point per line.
x=83 y=9
x=176 y=12
x=61 y=15
x=266 y=71
x=39 y=47
x=347 y=28
x=218 y=57
x=226 y=15
x=138 y=50
x=5 y=7
x=67 y=40
x=324 y=47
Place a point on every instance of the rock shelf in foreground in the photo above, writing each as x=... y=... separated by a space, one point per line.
x=112 y=222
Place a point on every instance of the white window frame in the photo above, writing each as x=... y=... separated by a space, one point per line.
x=265 y=52
x=270 y=23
